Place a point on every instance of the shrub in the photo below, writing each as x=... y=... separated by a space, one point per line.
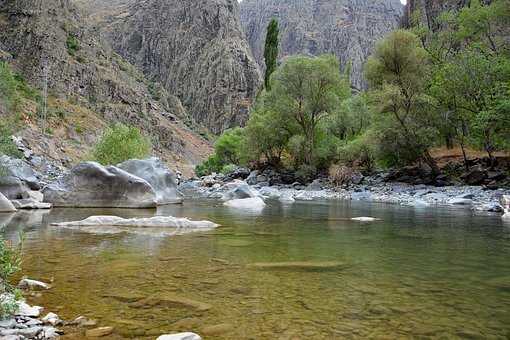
x=120 y=143
x=73 y=45
x=10 y=264
x=212 y=164
x=7 y=146
x=358 y=153
x=229 y=168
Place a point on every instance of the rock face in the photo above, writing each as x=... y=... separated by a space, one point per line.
x=196 y=49
x=90 y=185
x=162 y=180
x=51 y=40
x=346 y=28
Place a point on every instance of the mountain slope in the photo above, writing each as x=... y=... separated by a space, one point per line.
x=196 y=49
x=48 y=41
x=346 y=28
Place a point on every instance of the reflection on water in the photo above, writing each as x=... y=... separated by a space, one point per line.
x=425 y=273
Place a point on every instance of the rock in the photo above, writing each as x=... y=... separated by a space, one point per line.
x=252 y=177
x=460 y=201
x=361 y=196
x=90 y=185
x=287 y=198
x=13 y=188
x=52 y=319
x=316 y=185
x=99 y=332
x=255 y=203
x=240 y=190
x=162 y=180
x=5 y=205
x=213 y=74
x=36 y=196
x=33 y=284
x=492 y=207
x=170 y=300
x=22 y=171
x=83 y=322
x=238 y=173
x=26 y=310
x=270 y=192
x=261 y=179
x=365 y=219
x=30 y=204
x=216 y=330
x=298 y=265
x=7 y=323
x=152 y=222
x=475 y=176
x=315 y=27
x=180 y=336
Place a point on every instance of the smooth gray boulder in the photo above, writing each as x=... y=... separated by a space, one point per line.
x=21 y=170
x=6 y=205
x=91 y=185
x=239 y=190
x=163 y=181
x=13 y=188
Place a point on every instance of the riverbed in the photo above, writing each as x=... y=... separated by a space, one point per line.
x=418 y=272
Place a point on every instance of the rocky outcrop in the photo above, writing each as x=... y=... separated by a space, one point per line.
x=90 y=185
x=346 y=28
x=51 y=43
x=162 y=180
x=196 y=49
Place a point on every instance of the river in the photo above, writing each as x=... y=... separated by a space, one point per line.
x=416 y=273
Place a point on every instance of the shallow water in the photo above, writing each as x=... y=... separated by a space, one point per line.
x=417 y=273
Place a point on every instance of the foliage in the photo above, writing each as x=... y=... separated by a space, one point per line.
x=13 y=88
x=10 y=264
x=120 y=143
x=73 y=45
x=211 y=165
x=271 y=51
x=229 y=145
x=7 y=146
x=358 y=152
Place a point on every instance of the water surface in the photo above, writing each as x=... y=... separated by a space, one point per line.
x=418 y=273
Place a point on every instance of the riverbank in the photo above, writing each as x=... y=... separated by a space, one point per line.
x=476 y=198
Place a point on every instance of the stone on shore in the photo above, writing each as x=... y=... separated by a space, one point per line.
x=180 y=336
x=25 y=309
x=91 y=185
x=162 y=180
x=255 y=203
x=33 y=284
x=460 y=201
x=52 y=319
x=99 y=332
x=5 y=205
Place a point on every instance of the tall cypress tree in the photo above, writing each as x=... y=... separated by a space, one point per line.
x=271 y=51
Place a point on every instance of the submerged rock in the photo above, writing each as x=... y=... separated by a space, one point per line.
x=6 y=205
x=162 y=180
x=171 y=300
x=298 y=265
x=180 y=336
x=99 y=332
x=216 y=330
x=33 y=284
x=255 y=203
x=91 y=185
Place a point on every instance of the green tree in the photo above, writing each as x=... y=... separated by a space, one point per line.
x=398 y=76
x=306 y=90
x=271 y=51
x=228 y=147
x=120 y=143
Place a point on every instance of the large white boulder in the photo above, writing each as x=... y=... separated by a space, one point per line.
x=6 y=205
x=254 y=203
x=163 y=181
x=505 y=201
x=150 y=222
x=180 y=336
x=91 y=185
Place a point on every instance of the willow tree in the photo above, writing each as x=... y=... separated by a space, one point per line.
x=271 y=51
x=398 y=76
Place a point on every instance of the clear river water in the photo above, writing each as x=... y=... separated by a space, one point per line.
x=427 y=273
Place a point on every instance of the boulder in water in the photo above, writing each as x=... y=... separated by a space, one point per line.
x=163 y=181
x=6 y=205
x=180 y=336
x=255 y=203
x=240 y=190
x=91 y=185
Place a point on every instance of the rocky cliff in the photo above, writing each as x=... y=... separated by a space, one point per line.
x=89 y=85
x=196 y=49
x=346 y=28
x=428 y=10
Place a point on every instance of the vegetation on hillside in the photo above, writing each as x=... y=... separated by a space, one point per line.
x=120 y=143
x=426 y=89
x=10 y=264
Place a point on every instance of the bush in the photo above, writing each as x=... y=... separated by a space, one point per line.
x=7 y=146
x=10 y=264
x=212 y=164
x=358 y=153
x=120 y=143
x=73 y=45
x=229 y=168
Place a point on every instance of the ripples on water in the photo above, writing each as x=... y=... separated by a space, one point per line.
x=418 y=273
